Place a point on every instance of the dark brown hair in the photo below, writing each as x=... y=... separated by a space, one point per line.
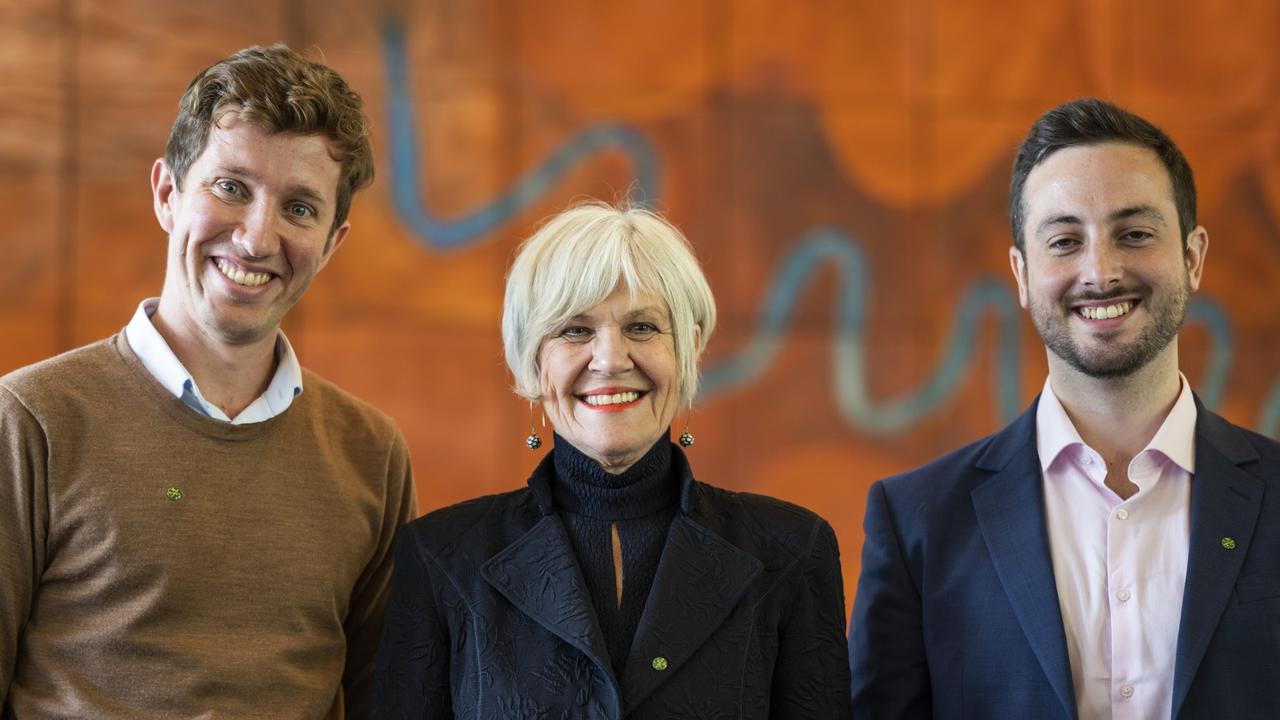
x=1089 y=121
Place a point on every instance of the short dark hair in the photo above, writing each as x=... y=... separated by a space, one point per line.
x=1090 y=121
x=277 y=90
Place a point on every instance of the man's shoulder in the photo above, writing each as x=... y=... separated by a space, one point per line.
x=1239 y=441
x=343 y=411
x=64 y=375
x=961 y=470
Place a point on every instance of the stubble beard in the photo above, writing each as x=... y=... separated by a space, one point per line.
x=1167 y=316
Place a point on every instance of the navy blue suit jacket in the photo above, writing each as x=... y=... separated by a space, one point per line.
x=956 y=613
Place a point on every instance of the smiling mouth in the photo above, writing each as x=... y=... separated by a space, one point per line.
x=610 y=400
x=1107 y=312
x=240 y=277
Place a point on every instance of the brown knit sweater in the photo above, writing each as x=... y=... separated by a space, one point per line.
x=157 y=563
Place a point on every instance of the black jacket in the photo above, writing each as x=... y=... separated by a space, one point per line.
x=489 y=616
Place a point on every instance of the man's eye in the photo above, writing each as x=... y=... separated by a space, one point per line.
x=1062 y=244
x=1137 y=236
x=229 y=187
x=300 y=211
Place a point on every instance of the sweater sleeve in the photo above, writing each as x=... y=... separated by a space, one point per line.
x=363 y=626
x=23 y=525
x=812 y=675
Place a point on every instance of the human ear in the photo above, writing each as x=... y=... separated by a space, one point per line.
x=1197 y=248
x=163 y=193
x=1018 y=264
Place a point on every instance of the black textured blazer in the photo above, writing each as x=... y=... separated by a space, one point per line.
x=489 y=616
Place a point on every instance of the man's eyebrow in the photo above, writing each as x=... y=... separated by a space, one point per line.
x=1053 y=220
x=1145 y=212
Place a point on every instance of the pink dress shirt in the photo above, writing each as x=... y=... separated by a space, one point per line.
x=1120 y=565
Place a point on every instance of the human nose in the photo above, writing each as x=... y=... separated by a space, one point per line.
x=257 y=235
x=1103 y=265
x=610 y=353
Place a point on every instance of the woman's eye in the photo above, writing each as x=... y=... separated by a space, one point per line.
x=641 y=329
x=575 y=332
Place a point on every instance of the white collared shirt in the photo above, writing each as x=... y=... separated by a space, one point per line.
x=156 y=355
x=1120 y=566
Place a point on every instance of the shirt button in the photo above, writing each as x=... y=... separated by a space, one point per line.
x=1126 y=691
x=1122 y=514
x=1088 y=459
x=1123 y=596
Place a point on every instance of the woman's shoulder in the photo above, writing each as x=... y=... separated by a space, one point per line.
x=760 y=519
x=490 y=517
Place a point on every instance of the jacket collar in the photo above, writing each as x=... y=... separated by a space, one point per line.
x=1018 y=543
x=700 y=581
x=1225 y=504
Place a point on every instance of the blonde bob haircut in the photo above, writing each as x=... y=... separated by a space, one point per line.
x=577 y=259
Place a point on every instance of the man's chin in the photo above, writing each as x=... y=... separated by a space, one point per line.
x=1105 y=365
x=241 y=332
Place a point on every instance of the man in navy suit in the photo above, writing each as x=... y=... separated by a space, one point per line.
x=1115 y=552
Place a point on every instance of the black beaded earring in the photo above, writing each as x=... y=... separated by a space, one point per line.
x=686 y=439
x=533 y=442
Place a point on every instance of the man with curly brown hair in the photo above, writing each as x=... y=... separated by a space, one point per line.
x=191 y=525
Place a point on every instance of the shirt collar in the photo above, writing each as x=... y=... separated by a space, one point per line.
x=1175 y=439
x=158 y=358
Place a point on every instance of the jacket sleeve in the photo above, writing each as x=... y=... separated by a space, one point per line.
x=23 y=525
x=363 y=626
x=886 y=637
x=811 y=677
x=412 y=674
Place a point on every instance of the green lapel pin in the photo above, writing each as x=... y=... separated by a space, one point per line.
x=1229 y=543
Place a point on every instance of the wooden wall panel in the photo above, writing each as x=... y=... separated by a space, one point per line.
x=865 y=146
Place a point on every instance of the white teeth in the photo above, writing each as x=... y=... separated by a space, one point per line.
x=614 y=399
x=1108 y=312
x=240 y=277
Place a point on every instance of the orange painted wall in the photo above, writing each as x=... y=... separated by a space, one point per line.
x=868 y=143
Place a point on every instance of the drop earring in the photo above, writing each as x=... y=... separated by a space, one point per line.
x=533 y=442
x=686 y=439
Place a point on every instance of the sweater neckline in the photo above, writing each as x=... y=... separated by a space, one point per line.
x=580 y=486
x=186 y=416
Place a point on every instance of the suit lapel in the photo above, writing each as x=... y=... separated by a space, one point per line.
x=700 y=580
x=539 y=574
x=1018 y=543
x=1225 y=503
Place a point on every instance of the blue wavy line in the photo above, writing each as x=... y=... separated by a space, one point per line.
x=821 y=245
x=408 y=189
x=848 y=366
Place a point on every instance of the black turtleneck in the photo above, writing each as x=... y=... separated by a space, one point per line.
x=640 y=502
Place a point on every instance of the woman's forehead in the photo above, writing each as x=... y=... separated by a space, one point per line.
x=624 y=302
